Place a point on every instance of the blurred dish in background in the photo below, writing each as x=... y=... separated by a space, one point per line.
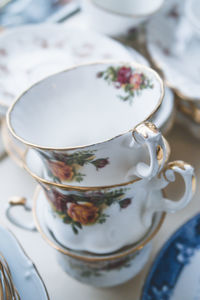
x=180 y=68
x=17 y=12
x=116 y=18
x=30 y=53
x=175 y=272
x=188 y=123
x=25 y=277
x=7 y=288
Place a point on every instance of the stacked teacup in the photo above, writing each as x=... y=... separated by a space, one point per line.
x=118 y=18
x=101 y=165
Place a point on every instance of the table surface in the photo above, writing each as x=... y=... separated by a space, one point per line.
x=16 y=182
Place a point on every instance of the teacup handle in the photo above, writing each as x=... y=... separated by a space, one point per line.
x=168 y=175
x=19 y=201
x=147 y=133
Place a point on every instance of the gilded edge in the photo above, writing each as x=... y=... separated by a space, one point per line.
x=106 y=62
x=93 y=259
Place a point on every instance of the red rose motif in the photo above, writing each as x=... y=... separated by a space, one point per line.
x=123 y=75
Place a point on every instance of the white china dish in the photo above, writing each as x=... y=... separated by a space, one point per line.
x=180 y=70
x=31 y=52
x=25 y=276
x=175 y=272
x=117 y=18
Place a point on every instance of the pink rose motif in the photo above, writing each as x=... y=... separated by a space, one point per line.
x=136 y=81
x=123 y=75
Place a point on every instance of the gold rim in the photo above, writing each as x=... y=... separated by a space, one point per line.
x=92 y=259
x=106 y=62
x=34 y=266
x=125 y=14
x=83 y=188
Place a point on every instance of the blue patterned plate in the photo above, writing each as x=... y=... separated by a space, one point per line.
x=175 y=274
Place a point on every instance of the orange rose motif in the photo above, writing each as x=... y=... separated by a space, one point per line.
x=85 y=213
x=61 y=170
x=136 y=81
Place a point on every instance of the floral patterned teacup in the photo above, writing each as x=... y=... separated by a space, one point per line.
x=107 y=218
x=92 y=269
x=98 y=270
x=81 y=121
x=117 y=18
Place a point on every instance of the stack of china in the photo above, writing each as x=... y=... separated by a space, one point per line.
x=102 y=166
x=116 y=18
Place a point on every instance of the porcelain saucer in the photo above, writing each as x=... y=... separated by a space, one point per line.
x=30 y=53
x=175 y=273
x=24 y=274
x=182 y=69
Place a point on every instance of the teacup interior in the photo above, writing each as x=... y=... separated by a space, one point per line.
x=133 y=7
x=86 y=105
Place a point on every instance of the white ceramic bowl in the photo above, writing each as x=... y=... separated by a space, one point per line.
x=117 y=18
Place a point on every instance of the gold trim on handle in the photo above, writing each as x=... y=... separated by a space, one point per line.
x=15 y=201
x=182 y=165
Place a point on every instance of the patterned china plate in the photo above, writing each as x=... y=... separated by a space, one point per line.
x=181 y=70
x=30 y=53
x=26 y=279
x=175 y=274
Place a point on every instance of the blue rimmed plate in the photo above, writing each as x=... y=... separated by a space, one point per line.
x=175 y=274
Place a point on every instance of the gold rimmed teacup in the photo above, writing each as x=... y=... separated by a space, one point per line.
x=80 y=155
x=95 y=219
x=98 y=270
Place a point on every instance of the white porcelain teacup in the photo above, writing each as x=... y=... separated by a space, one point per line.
x=116 y=17
x=107 y=218
x=87 y=123
x=98 y=270
x=93 y=269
